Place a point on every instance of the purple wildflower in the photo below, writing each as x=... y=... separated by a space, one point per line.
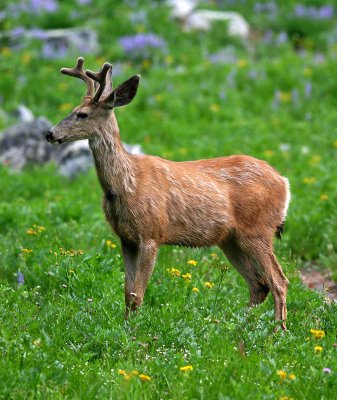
x=281 y=38
x=140 y=44
x=17 y=32
x=326 y=370
x=38 y=6
x=38 y=33
x=20 y=278
x=54 y=51
x=315 y=13
x=308 y=89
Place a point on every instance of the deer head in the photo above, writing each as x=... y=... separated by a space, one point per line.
x=96 y=110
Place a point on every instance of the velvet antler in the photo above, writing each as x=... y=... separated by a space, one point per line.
x=103 y=77
x=78 y=72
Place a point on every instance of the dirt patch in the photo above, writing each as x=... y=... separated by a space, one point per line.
x=321 y=281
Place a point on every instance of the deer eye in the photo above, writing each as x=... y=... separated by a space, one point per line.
x=81 y=115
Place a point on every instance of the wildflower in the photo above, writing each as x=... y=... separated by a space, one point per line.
x=186 y=368
x=141 y=44
x=281 y=374
x=307 y=72
x=20 y=278
x=121 y=372
x=292 y=376
x=286 y=398
x=309 y=181
x=214 y=107
x=127 y=377
x=285 y=97
x=214 y=256
x=324 y=197
x=242 y=63
x=26 y=251
x=209 y=285
x=144 y=378
x=326 y=370
x=65 y=107
x=318 y=349
x=37 y=342
x=335 y=143
x=315 y=160
x=317 y=334
x=192 y=262
x=135 y=372
x=268 y=153
x=26 y=58
x=195 y=290
x=110 y=244
x=173 y=272
x=187 y=277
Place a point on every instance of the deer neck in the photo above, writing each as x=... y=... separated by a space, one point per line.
x=114 y=166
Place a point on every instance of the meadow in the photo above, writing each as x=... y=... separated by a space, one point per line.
x=202 y=94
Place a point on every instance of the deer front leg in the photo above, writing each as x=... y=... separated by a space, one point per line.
x=139 y=265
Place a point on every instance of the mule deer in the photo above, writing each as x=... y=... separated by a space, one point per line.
x=237 y=203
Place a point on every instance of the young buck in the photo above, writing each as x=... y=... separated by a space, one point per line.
x=237 y=203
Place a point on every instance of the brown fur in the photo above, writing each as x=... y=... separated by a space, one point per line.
x=235 y=202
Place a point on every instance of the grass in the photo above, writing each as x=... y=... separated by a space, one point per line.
x=63 y=333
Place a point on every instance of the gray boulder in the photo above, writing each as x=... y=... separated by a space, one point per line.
x=24 y=144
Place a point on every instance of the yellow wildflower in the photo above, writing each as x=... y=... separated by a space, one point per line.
x=286 y=398
x=285 y=97
x=121 y=372
x=195 y=290
x=26 y=251
x=173 y=271
x=281 y=374
x=187 y=276
x=37 y=342
x=292 y=376
x=158 y=97
x=242 y=63
x=26 y=57
x=307 y=72
x=324 y=197
x=214 y=107
x=318 y=349
x=209 y=285
x=144 y=378
x=146 y=64
x=315 y=160
x=134 y=372
x=309 y=181
x=65 y=107
x=6 y=51
x=127 y=377
x=169 y=59
x=192 y=262
x=335 y=143
x=110 y=244
x=268 y=153
x=186 y=368
x=317 y=334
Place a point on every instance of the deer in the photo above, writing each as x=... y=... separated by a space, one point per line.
x=236 y=202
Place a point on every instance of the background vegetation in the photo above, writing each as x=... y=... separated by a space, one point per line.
x=202 y=95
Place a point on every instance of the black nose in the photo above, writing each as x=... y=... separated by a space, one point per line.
x=49 y=136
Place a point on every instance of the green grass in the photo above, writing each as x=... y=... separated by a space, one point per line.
x=62 y=333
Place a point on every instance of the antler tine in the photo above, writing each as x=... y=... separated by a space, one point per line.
x=102 y=78
x=78 y=72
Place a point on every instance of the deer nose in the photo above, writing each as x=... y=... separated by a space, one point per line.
x=49 y=136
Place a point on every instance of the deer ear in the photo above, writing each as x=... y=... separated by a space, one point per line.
x=123 y=94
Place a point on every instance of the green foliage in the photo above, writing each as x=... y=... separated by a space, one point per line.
x=63 y=332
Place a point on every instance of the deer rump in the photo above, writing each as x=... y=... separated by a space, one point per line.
x=199 y=203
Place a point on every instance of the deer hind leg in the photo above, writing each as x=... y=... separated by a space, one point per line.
x=139 y=265
x=245 y=266
x=260 y=252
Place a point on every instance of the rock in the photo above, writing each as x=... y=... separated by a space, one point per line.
x=24 y=144
x=23 y=114
x=191 y=19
